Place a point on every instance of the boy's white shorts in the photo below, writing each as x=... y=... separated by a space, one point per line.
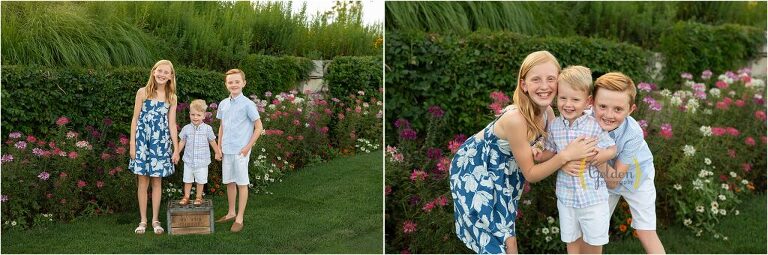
x=642 y=205
x=590 y=222
x=195 y=174
x=234 y=168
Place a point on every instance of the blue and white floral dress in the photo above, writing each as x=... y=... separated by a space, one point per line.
x=486 y=184
x=153 y=141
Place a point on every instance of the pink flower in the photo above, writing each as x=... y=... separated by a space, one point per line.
x=721 y=105
x=7 y=158
x=760 y=115
x=721 y=84
x=435 y=111
x=327 y=111
x=723 y=178
x=300 y=137
x=3 y=198
x=21 y=145
x=63 y=174
x=706 y=74
x=418 y=175
x=14 y=135
x=739 y=103
x=402 y=123
x=717 y=131
x=746 y=167
x=429 y=206
x=31 y=139
x=644 y=87
x=81 y=183
x=72 y=154
x=732 y=131
x=44 y=176
x=409 y=227
x=388 y=190
x=434 y=153
x=495 y=107
x=358 y=109
x=105 y=156
x=666 y=131
x=454 y=146
x=408 y=134
x=213 y=106
x=749 y=141
x=443 y=165
x=727 y=100
x=731 y=153
x=62 y=121
x=398 y=157
x=290 y=138
x=99 y=184
x=686 y=76
x=324 y=130
x=341 y=116
x=442 y=201
x=296 y=122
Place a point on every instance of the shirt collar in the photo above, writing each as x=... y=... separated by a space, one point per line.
x=619 y=130
x=576 y=122
x=237 y=98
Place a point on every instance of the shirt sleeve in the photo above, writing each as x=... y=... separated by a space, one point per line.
x=184 y=133
x=219 y=115
x=211 y=135
x=550 y=143
x=253 y=113
x=632 y=149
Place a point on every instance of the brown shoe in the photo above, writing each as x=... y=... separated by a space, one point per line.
x=184 y=201
x=198 y=201
x=225 y=219
x=236 y=227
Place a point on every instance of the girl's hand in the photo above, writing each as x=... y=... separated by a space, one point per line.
x=175 y=158
x=133 y=152
x=245 y=151
x=580 y=148
x=218 y=155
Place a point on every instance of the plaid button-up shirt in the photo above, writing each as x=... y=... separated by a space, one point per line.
x=589 y=188
x=197 y=152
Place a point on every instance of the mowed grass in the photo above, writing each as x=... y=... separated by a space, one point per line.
x=746 y=234
x=333 y=207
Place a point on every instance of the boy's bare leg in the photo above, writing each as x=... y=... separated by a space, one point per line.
x=243 y=190
x=591 y=249
x=231 y=197
x=575 y=246
x=511 y=244
x=187 y=189
x=650 y=241
x=199 y=190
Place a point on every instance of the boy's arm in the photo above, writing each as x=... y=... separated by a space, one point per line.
x=603 y=155
x=221 y=134
x=257 y=127
x=613 y=175
x=216 y=150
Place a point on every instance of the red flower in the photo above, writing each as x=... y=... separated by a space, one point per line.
x=31 y=139
x=81 y=183
x=760 y=115
x=739 y=103
x=72 y=154
x=749 y=141
x=721 y=105
x=721 y=84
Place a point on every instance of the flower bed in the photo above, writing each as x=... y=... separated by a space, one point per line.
x=708 y=142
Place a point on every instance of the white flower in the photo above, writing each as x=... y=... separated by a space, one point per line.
x=697 y=184
x=717 y=236
x=527 y=202
x=733 y=174
x=702 y=173
x=678 y=186
x=550 y=220
x=698 y=233
x=689 y=150
x=306 y=124
x=279 y=158
x=714 y=204
x=687 y=222
x=745 y=182
x=548 y=238
x=555 y=230
x=272 y=107
x=725 y=238
x=722 y=211
x=721 y=197
x=706 y=131
x=715 y=92
x=714 y=210
x=707 y=111
x=692 y=105
x=545 y=231
x=706 y=181
x=13 y=223
x=675 y=101
x=724 y=186
x=707 y=161
x=732 y=93
x=736 y=212
x=758 y=82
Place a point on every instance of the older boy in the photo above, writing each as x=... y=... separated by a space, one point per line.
x=240 y=128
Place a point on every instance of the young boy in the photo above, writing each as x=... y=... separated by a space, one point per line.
x=582 y=200
x=631 y=173
x=195 y=139
x=240 y=128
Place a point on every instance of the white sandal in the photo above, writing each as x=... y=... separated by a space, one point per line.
x=157 y=228
x=141 y=228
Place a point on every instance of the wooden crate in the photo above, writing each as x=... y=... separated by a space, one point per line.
x=190 y=219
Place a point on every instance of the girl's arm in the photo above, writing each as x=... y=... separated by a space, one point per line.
x=174 y=133
x=604 y=155
x=257 y=128
x=216 y=149
x=544 y=155
x=140 y=95
x=513 y=129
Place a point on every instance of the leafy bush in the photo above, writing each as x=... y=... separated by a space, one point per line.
x=268 y=73
x=688 y=47
x=457 y=73
x=707 y=160
x=348 y=75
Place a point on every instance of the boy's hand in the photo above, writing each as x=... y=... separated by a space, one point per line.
x=572 y=167
x=218 y=155
x=536 y=153
x=244 y=151
x=175 y=158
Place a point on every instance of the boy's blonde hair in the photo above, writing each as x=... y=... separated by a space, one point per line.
x=577 y=77
x=170 y=86
x=616 y=81
x=198 y=105
x=521 y=98
x=235 y=71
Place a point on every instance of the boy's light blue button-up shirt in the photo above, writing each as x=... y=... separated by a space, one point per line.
x=238 y=116
x=632 y=150
x=196 y=149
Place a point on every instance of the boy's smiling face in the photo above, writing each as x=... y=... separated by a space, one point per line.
x=196 y=116
x=235 y=84
x=611 y=108
x=571 y=102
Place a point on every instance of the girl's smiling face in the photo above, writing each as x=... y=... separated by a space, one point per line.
x=162 y=74
x=541 y=83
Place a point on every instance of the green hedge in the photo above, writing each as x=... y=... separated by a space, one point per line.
x=689 y=46
x=347 y=75
x=458 y=73
x=34 y=97
x=276 y=74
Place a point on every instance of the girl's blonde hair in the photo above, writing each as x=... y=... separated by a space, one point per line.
x=521 y=98
x=170 y=86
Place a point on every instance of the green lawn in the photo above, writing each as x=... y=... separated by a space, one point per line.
x=333 y=207
x=746 y=234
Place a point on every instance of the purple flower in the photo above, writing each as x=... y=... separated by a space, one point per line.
x=402 y=123
x=107 y=122
x=335 y=100
x=21 y=145
x=460 y=138
x=686 y=76
x=435 y=111
x=15 y=135
x=644 y=87
x=706 y=74
x=213 y=106
x=38 y=152
x=415 y=199
x=3 y=198
x=268 y=94
x=434 y=153
x=7 y=158
x=643 y=123
x=408 y=134
x=652 y=103
x=44 y=176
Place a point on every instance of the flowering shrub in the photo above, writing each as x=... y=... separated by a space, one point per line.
x=73 y=173
x=708 y=140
